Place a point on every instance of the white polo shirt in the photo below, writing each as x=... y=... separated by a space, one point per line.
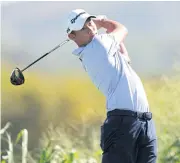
x=110 y=71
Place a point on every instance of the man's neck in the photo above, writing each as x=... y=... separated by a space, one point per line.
x=84 y=44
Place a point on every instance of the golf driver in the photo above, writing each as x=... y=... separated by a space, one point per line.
x=17 y=77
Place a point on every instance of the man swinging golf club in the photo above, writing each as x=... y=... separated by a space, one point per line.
x=128 y=133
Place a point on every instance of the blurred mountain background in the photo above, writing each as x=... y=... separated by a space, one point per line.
x=29 y=29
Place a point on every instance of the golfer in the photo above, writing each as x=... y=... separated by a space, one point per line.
x=128 y=133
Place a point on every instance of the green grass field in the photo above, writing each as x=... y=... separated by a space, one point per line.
x=63 y=117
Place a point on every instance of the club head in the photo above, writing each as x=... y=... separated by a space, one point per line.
x=17 y=77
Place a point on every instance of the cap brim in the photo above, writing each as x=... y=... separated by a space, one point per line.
x=82 y=25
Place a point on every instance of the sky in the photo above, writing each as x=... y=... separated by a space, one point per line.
x=30 y=29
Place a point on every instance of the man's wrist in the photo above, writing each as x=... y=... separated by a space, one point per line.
x=99 y=21
x=102 y=17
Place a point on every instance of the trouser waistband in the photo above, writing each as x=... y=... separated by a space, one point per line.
x=120 y=112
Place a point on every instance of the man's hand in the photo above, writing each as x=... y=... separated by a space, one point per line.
x=115 y=28
x=98 y=21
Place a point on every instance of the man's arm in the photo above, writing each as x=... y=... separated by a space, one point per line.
x=124 y=51
x=118 y=30
x=115 y=28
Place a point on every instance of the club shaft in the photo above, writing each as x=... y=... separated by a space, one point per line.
x=45 y=54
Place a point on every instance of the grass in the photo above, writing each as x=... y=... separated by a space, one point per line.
x=49 y=154
x=63 y=118
x=53 y=153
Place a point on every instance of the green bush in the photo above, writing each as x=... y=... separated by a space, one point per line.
x=75 y=109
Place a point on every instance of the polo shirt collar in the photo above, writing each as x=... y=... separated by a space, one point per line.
x=78 y=51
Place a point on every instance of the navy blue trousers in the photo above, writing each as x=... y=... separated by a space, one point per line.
x=128 y=139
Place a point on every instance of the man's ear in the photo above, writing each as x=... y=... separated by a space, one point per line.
x=72 y=36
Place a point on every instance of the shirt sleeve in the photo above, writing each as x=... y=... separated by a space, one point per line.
x=109 y=42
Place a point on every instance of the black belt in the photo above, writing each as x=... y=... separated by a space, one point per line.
x=147 y=116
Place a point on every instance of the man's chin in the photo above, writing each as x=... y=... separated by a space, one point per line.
x=93 y=33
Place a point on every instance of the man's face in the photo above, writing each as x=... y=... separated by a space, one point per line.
x=85 y=35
